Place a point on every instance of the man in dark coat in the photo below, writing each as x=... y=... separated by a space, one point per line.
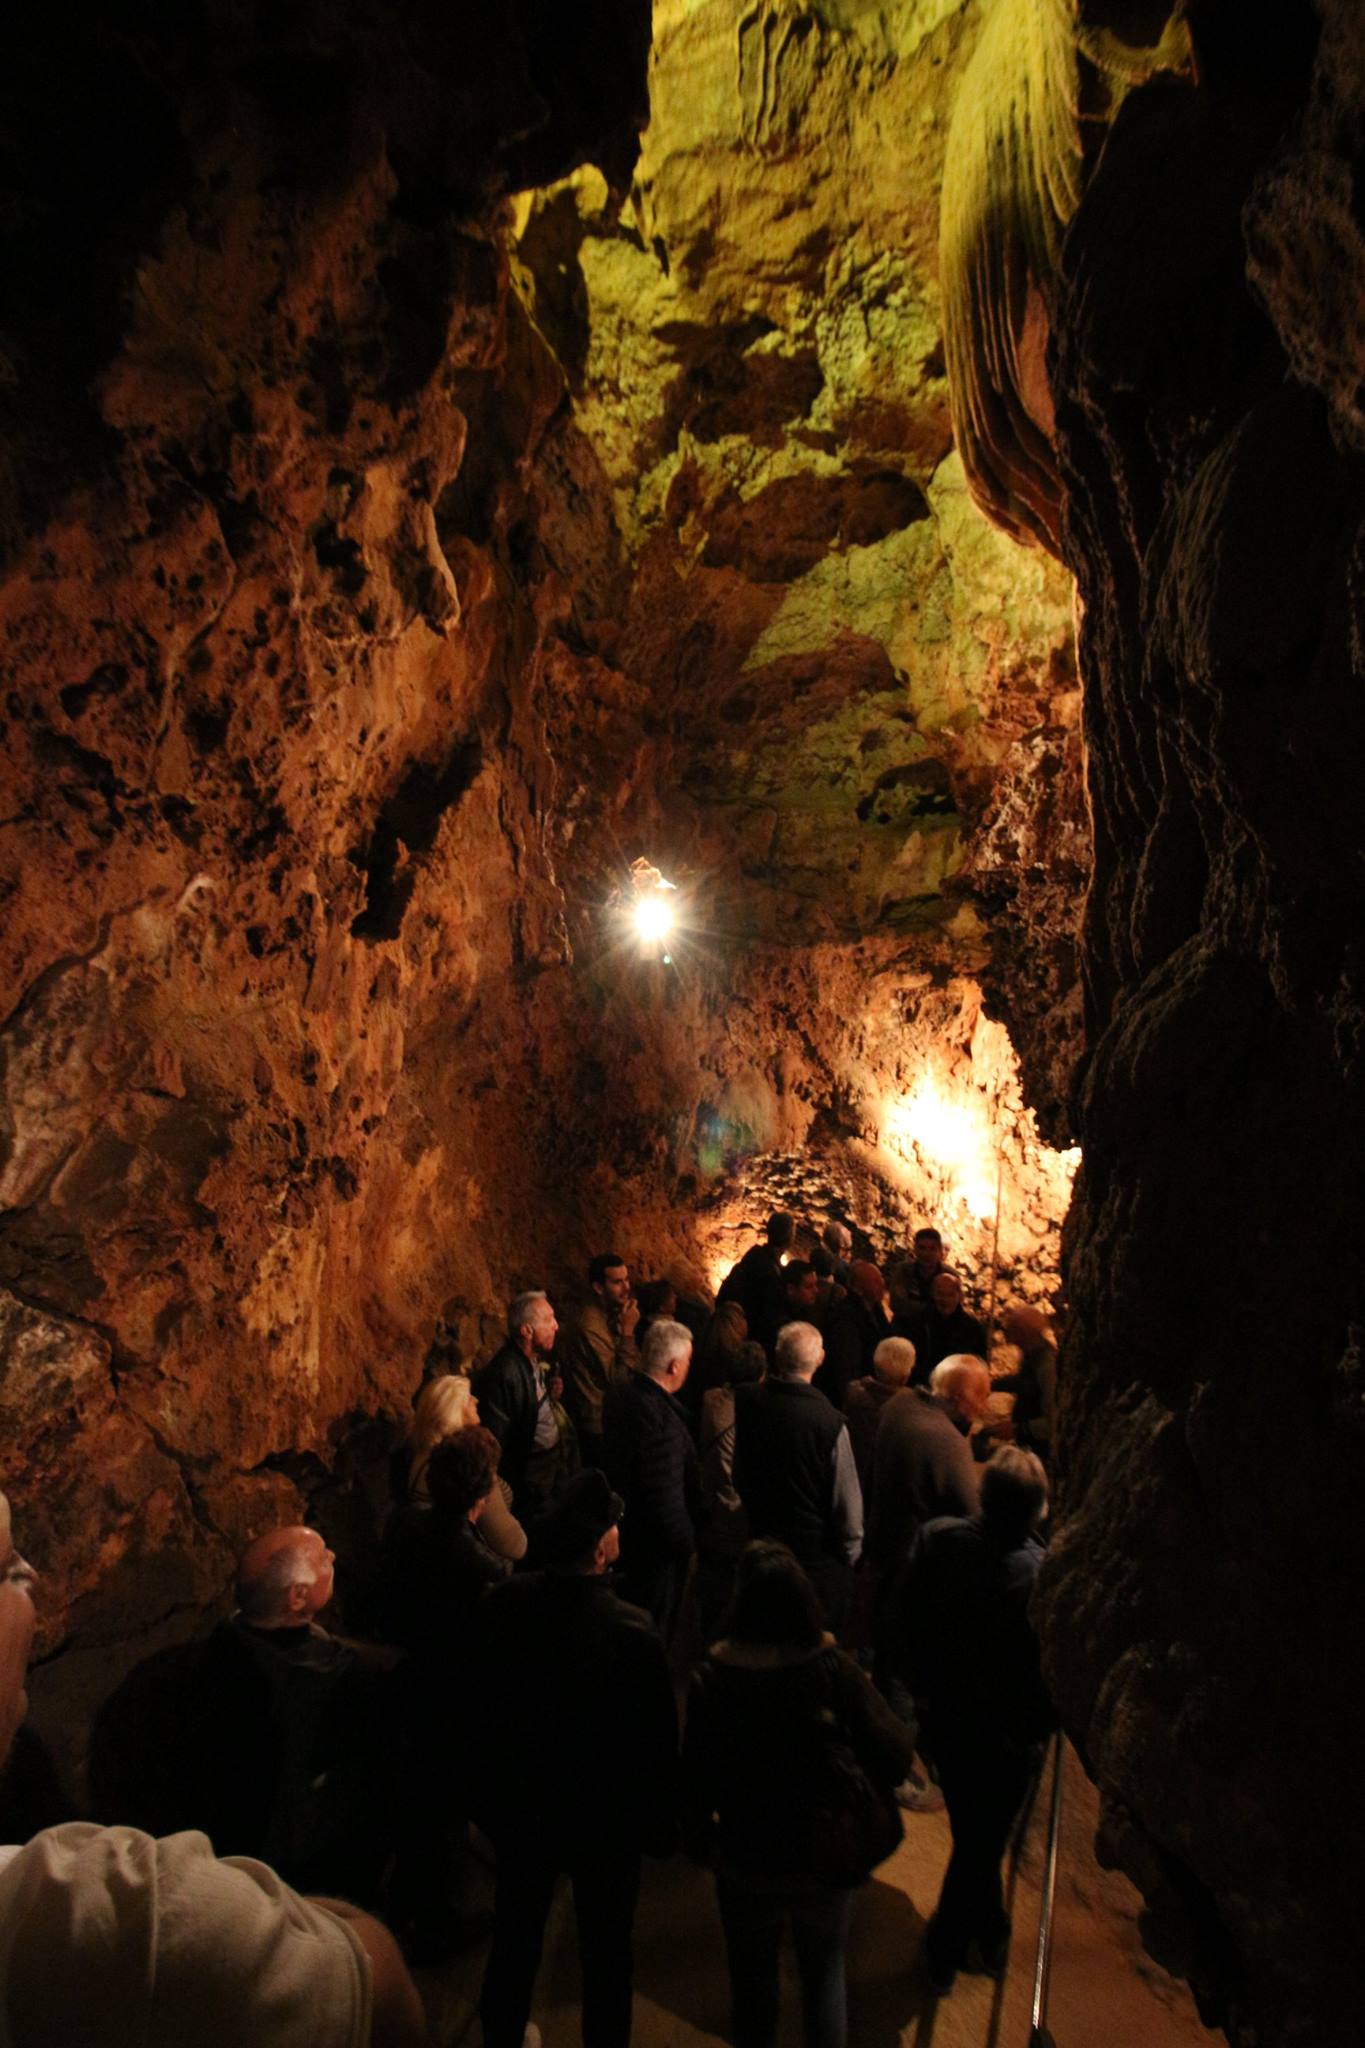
x=1034 y=1385
x=971 y=1655
x=794 y=1469
x=756 y=1281
x=574 y=1737
x=651 y=1460
x=946 y=1330
x=517 y=1392
x=855 y=1328
x=922 y=1465
x=275 y=1738
x=893 y=1361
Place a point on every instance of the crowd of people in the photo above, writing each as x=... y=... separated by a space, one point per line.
x=807 y=1484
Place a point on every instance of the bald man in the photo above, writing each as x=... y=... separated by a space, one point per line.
x=922 y=1465
x=274 y=1737
x=109 y=1935
x=284 y=1579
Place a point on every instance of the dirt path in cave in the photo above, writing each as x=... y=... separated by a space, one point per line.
x=1105 y=1988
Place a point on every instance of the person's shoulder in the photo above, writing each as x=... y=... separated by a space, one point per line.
x=631 y=1623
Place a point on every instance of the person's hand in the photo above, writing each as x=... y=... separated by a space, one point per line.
x=630 y=1315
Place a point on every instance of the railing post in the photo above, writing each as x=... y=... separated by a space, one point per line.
x=1039 y=2036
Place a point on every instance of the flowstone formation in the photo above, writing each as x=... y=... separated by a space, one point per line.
x=1203 y=463
x=413 y=511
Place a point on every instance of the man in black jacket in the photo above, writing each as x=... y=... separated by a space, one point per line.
x=794 y=1469
x=971 y=1655
x=855 y=1328
x=947 y=1330
x=575 y=1738
x=517 y=1392
x=652 y=1462
x=755 y=1282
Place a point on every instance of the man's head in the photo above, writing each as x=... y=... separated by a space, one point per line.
x=1024 y=1325
x=801 y=1283
x=963 y=1385
x=781 y=1231
x=837 y=1239
x=800 y=1350
x=945 y=1292
x=581 y=1532
x=928 y=1252
x=17 y=1623
x=609 y=1279
x=462 y=1472
x=866 y=1282
x=284 y=1578
x=1013 y=1493
x=667 y=1354
x=893 y=1361
x=531 y=1323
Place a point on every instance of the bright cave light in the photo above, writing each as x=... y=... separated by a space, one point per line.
x=652 y=911
x=951 y=1136
x=653 y=918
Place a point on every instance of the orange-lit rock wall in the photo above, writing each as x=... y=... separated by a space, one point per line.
x=387 y=563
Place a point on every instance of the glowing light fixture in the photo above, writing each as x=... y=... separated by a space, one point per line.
x=653 y=917
x=652 y=909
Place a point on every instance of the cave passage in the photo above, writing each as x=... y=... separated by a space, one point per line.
x=891 y=474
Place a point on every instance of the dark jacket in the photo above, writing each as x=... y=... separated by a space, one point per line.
x=436 y=1570
x=1034 y=1388
x=943 y=1337
x=652 y=1463
x=785 y=1469
x=853 y=1333
x=863 y=1405
x=574 y=1734
x=757 y=1721
x=756 y=1284
x=508 y=1400
x=277 y=1743
x=967 y=1645
x=922 y=1467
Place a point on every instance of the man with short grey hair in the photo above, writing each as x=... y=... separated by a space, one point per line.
x=653 y=1466
x=518 y=1390
x=794 y=1468
x=893 y=1361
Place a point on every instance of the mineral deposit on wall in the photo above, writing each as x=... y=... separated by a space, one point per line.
x=414 y=510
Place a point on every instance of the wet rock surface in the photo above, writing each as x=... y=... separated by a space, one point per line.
x=1198 y=1607
x=413 y=510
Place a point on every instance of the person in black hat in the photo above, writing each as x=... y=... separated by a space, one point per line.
x=575 y=1737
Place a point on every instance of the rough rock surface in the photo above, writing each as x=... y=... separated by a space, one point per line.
x=1201 y=1606
x=388 y=563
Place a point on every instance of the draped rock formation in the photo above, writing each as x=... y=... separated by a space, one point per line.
x=1193 y=448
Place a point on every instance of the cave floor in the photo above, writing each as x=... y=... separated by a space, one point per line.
x=1105 y=1988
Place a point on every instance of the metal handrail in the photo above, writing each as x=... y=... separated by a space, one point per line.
x=1039 y=2036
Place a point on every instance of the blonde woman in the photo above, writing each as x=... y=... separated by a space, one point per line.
x=445 y=1406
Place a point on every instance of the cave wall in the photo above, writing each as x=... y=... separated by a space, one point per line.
x=1197 y=308
x=413 y=508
